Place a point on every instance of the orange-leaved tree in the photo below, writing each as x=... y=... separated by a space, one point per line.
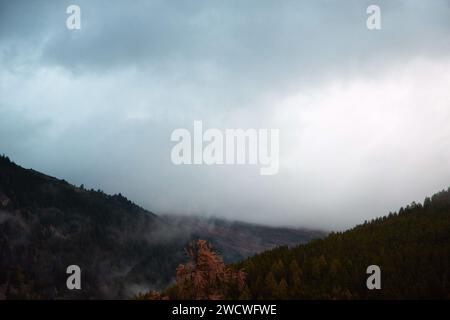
x=204 y=276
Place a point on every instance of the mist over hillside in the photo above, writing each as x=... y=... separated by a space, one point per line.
x=47 y=224
x=402 y=255
x=236 y=240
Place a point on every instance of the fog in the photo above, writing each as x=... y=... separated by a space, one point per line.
x=363 y=115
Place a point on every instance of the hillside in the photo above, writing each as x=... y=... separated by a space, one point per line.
x=412 y=248
x=47 y=224
x=235 y=240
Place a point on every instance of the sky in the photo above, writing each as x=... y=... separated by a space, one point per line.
x=363 y=114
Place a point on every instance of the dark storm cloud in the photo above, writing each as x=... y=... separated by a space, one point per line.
x=254 y=40
x=97 y=105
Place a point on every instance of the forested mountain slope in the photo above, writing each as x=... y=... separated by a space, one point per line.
x=412 y=248
x=235 y=240
x=47 y=224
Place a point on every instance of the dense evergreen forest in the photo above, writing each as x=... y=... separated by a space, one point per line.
x=47 y=224
x=412 y=248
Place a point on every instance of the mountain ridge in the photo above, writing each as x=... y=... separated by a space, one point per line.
x=47 y=224
x=411 y=247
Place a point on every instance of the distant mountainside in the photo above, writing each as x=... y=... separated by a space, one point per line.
x=235 y=240
x=47 y=224
x=411 y=247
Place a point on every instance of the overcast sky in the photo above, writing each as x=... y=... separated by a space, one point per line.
x=364 y=116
